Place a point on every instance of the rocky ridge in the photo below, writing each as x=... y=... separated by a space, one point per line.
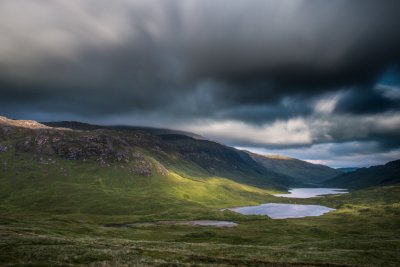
x=29 y=124
x=47 y=144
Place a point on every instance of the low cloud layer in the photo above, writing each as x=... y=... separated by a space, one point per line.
x=262 y=73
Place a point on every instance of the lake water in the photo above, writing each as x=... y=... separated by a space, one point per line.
x=213 y=223
x=283 y=211
x=312 y=192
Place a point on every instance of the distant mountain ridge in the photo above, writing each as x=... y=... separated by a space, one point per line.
x=86 y=126
x=300 y=171
x=380 y=175
x=348 y=169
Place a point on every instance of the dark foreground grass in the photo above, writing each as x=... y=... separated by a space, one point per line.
x=364 y=231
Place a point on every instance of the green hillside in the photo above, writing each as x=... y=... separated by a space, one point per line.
x=387 y=174
x=60 y=188
x=363 y=231
x=301 y=172
x=124 y=172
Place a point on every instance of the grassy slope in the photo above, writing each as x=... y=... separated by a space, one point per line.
x=69 y=187
x=65 y=210
x=364 y=231
x=212 y=159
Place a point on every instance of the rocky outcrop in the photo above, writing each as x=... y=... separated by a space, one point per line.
x=103 y=148
x=141 y=166
x=161 y=169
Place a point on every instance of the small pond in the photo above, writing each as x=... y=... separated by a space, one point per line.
x=211 y=223
x=283 y=211
x=312 y=192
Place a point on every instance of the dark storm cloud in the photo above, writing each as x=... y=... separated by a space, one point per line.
x=103 y=57
x=366 y=101
x=313 y=44
x=260 y=64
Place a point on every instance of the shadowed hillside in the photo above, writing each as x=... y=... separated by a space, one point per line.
x=302 y=172
x=381 y=175
x=348 y=169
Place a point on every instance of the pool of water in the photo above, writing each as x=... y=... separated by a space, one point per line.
x=312 y=192
x=283 y=211
x=211 y=223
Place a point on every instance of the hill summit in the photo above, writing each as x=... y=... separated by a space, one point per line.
x=29 y=124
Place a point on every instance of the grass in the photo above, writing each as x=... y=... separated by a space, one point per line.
x=341 y=238
x=87 y=188
x=54 y=215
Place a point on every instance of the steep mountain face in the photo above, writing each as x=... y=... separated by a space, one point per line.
x=380 y=175
x=302 y=172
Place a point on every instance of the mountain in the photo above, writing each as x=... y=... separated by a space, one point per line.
x=60 y=186
x=205 y=157
x=78 y=167
x=380 y=175
x=124 y=171
x=302 y=172
x=347 y=169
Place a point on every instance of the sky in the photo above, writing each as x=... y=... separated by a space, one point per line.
x=316 y=80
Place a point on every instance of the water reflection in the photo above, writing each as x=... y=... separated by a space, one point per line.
x=312 y=192
x=283 y=211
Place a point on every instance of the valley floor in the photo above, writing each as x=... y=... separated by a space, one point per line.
x=363 y=231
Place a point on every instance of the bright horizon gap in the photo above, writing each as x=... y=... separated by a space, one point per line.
x=335 y=163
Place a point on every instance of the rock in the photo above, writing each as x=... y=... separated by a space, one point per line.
x=103 y=148
x=6 y=130
x=141 y=167
x=3 y=148
x=161 y=169
x=46 y=161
